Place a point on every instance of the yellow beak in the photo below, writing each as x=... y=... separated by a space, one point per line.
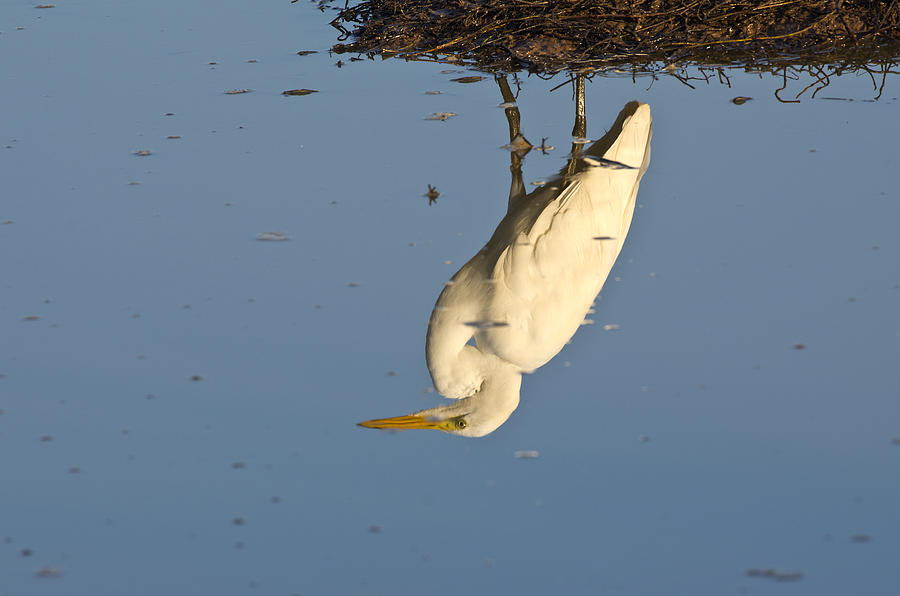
x=407 y=423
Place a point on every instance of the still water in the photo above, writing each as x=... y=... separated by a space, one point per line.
x=179 y=399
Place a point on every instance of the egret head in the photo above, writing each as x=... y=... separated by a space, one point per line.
x=474 y=416
x=464 y=421
x=456 y=424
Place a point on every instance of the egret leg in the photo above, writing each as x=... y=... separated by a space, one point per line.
x=579 y=131
x=513 y=119
x=580 y=128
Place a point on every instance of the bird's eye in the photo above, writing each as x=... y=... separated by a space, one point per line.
x=461 y=423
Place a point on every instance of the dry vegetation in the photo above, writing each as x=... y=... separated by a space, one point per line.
x=549 y=36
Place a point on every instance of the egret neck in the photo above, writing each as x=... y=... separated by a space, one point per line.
x=486 y=386
x=490 y=404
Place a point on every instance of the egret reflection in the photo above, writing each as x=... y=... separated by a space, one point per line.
x=523 y=296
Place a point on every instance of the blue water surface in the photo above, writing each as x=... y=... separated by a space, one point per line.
x=179 y=399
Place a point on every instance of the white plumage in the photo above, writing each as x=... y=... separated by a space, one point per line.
x=524 y=295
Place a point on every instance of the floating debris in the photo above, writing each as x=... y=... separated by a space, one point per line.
x=48 y=572
x=376 y=529
x=45 y=6
x=539 y=183
x=740 y=100
x=236 y=91
x=74 y=470
x=142 y=152
x=46 y=438
x=587 y=322
x=299 y=91
x=252 y=61
x=432 y=93
x=238 y=521
x=526 y=454
x=432 y=194
x=604 y=238
x=196 y=378
x=472 y=79
x=272 y=237
x=486 y=324
x=582 y=141
x=353 y=284
x=895 y=441
x=610 y=327
x=441 y=116
x=602 y=162
x=238 y=465
x=519 y=145
x=306 y=52
x=172 y=137
x=799 y=346
x=8 y=222
x=860 y=538
x=31 y=318
x=544 y=148
x=26 y=552
x=507 y=104
x=774 y=574
x=643 y=438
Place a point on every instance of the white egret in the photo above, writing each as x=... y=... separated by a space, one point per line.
x=524 y=295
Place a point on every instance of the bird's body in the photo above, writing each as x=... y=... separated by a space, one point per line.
x=524 y=295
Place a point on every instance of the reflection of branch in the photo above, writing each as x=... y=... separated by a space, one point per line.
x=884 y=74
x=783 y=87
x=821 y=68
x=683 y=80
x=817 y=81
x=568 y=81
x=721 y=75
x=871 y=76
x=885 y=71
x=821 y=75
